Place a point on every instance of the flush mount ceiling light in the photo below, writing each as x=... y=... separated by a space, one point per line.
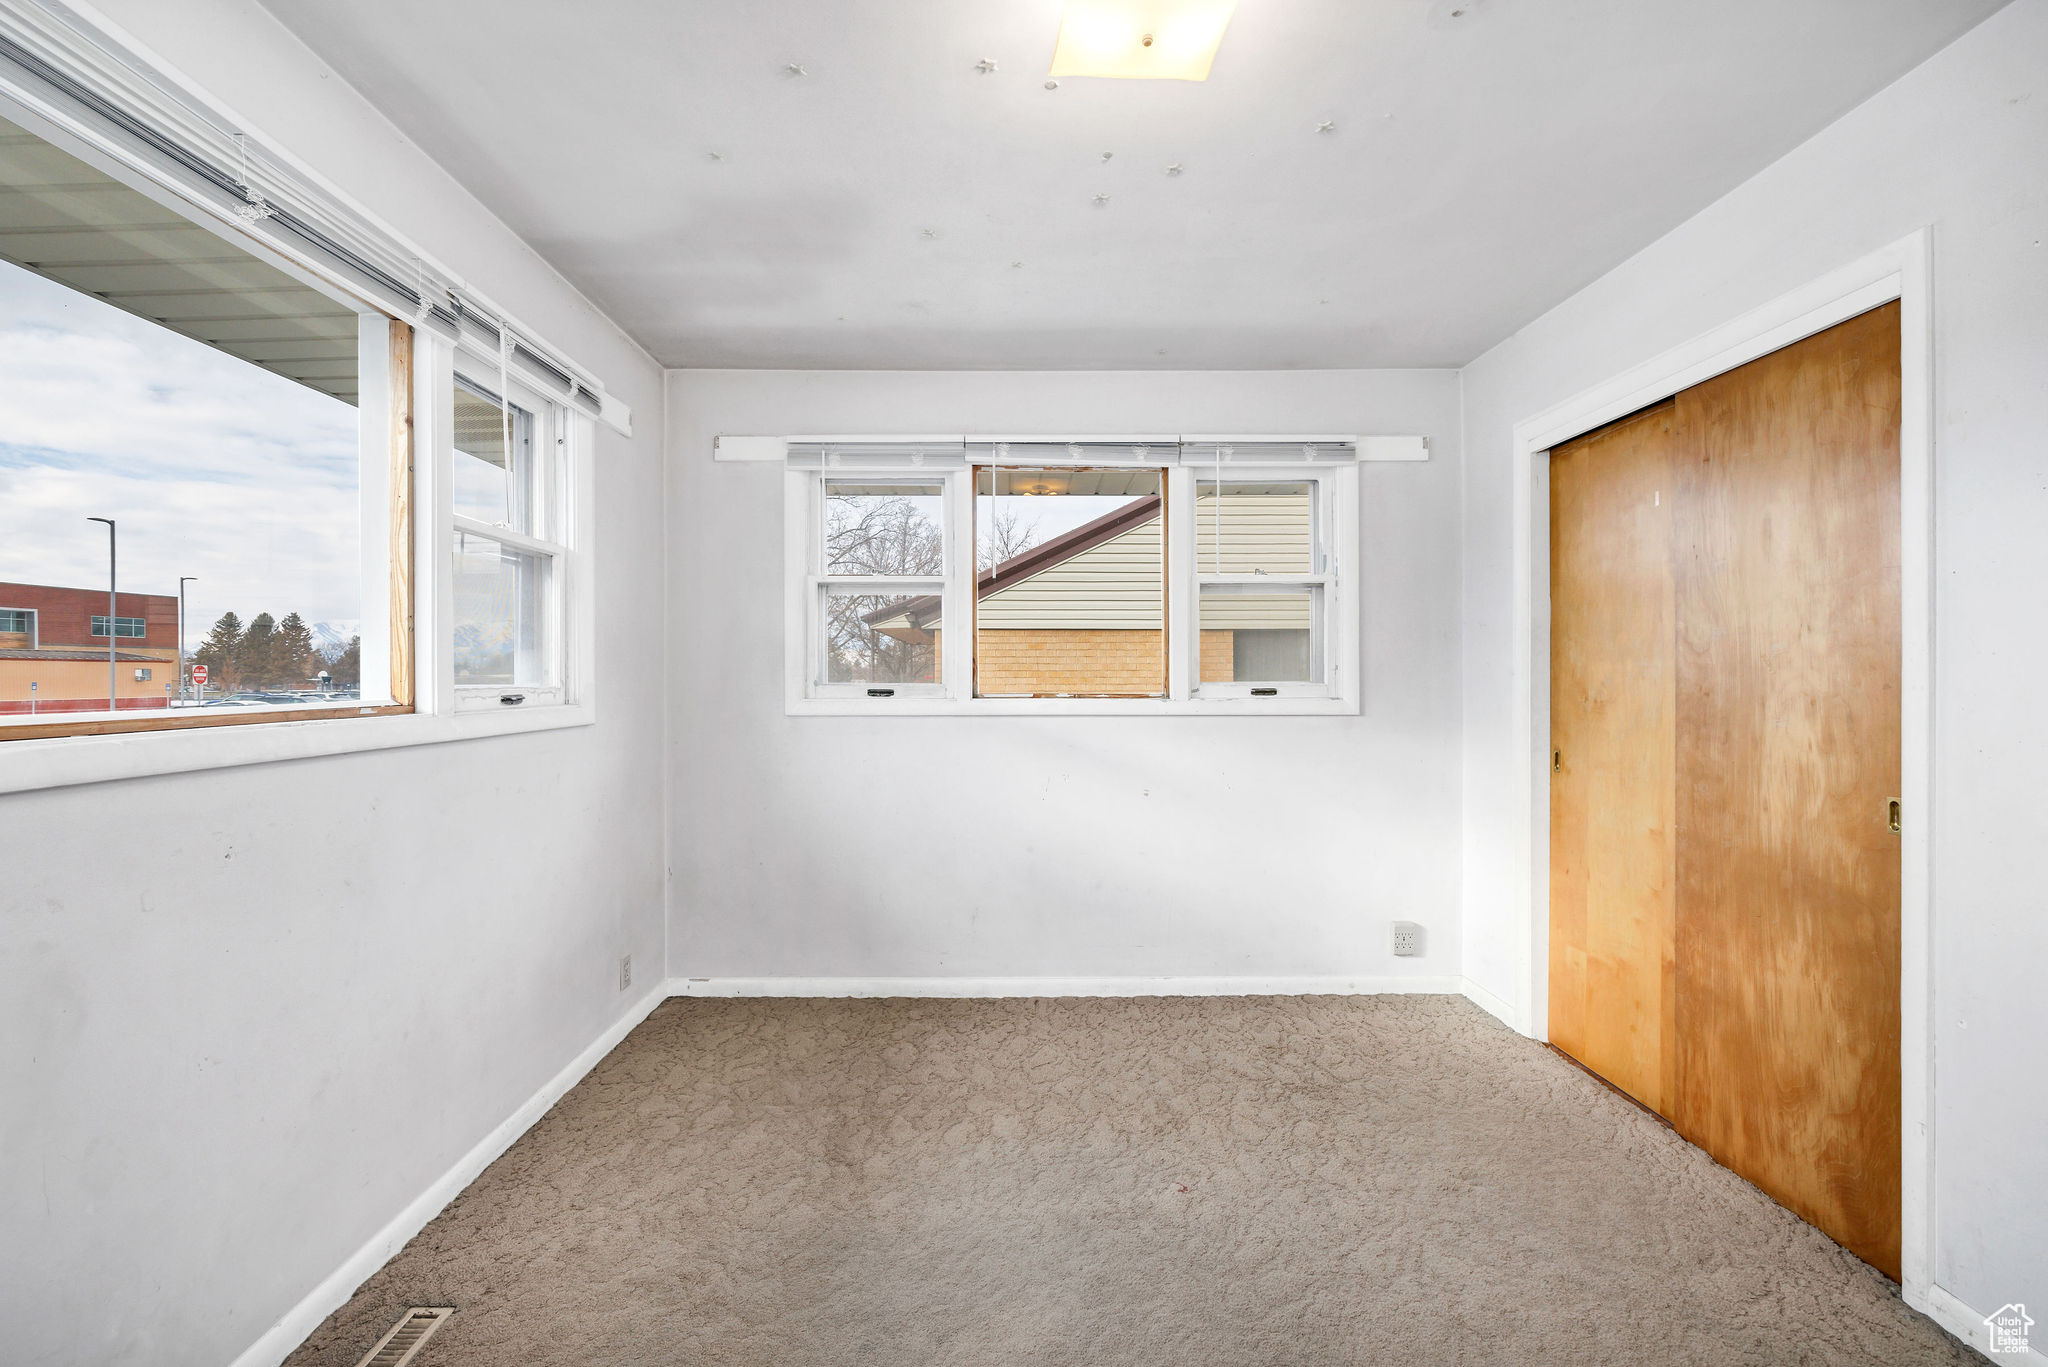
x=1160 y=40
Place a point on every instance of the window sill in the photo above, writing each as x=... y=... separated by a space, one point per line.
x=64 y=761
x=1070 y=707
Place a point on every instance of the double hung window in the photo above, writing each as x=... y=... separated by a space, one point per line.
x=510 y=521
x=877 y=599
x=1145 y=575
x=1263 y=576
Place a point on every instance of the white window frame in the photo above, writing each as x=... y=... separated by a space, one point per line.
x=438 y=714
x=553 y=504
x=1334 y=488
x=811 y=505
x=803 y=550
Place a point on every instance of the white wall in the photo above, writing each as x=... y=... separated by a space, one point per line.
x=236 y=1039
x=1069 y=847
x=1960 y=144
x=247 y=1015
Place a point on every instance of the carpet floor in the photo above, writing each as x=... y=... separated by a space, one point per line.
x=1232 y=1181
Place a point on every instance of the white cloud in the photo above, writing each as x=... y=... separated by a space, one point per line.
x=213 y=467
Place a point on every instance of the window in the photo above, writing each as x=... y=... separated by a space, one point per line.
x=1024 y=576
x=229 y=401
x=180 y=413
x=123 y=626
x=1262 y=573
x=878 y=595
x=1070 y=596
x=508 y=547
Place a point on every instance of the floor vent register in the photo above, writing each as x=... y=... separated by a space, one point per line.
x=408 y=1336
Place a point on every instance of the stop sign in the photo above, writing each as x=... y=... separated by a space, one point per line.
x=199 y=674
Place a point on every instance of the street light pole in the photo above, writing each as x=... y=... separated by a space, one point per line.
x=113 y=565
x=183 y=580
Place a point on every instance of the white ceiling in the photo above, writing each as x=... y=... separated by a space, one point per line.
x=894 y=207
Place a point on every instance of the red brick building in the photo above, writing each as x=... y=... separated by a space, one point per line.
x=56 y=639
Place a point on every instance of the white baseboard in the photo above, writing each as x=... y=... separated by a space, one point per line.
x=301 y=1320
x=1059 y=987
x=1967 y=1323
x=1497 y=1007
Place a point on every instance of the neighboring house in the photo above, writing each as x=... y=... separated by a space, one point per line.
x=1085 y=611
x=56 y=638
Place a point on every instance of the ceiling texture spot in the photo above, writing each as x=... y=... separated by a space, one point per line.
x=1536 y=146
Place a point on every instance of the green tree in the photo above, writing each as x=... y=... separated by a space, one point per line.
x=258 y=651
x=221 y=653
x=292 y=655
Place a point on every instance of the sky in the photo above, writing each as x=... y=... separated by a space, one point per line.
x=1044 y=517
x=1047 y=518
x=214 y=467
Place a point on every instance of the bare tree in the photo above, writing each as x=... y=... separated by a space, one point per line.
x=1005 y=536
x=869 y=534
x=866 y=534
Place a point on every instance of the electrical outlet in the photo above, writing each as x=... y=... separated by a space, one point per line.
x=625 y=971
x=1407 y=939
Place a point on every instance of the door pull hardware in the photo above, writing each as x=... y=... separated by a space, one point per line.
x=1557 y=761
x=1891 y=813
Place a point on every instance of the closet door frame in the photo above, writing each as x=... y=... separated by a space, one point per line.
x=1901 y=271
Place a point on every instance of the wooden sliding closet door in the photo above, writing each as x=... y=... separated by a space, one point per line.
x=1725 y=657
x=1787 y=941
x=1611 y=688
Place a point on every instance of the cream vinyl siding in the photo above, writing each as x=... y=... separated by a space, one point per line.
x=1267 y=532
x=1116 y=586
x=1257 y=611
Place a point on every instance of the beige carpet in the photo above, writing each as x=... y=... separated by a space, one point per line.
x=1231 y=1181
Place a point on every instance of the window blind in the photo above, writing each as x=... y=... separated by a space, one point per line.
x=850 y=453
x=62 y=70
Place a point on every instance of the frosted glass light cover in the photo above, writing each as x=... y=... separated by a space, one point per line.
x=1165 y=40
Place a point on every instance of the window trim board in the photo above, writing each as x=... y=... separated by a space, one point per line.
x=37 y=763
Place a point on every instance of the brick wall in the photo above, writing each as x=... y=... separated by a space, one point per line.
x=1047 y=660
x=1052 y=660
x=64 y=616
x=1219 y=657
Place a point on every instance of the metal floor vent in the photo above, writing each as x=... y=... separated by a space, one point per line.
x=407 y=1337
